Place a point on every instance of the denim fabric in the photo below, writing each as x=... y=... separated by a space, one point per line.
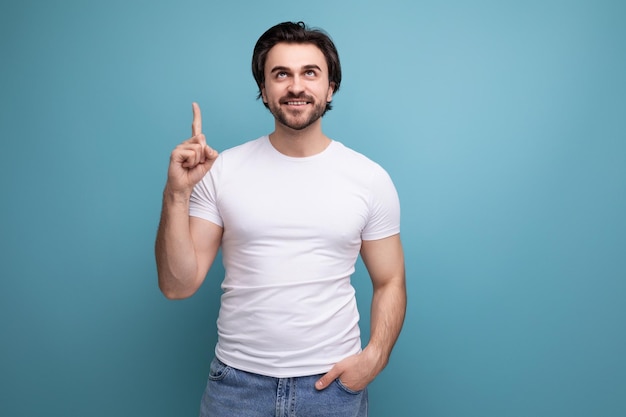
x=234 y=393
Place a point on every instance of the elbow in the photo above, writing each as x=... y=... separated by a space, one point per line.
x=175 y=292
x=173 y=295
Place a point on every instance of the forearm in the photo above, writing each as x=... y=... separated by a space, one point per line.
x=386 y=319
x=387 y=316
x=176 y=260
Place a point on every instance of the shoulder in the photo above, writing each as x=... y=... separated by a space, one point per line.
x=356 y=160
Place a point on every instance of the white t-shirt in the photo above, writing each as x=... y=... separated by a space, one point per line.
x=292 y=233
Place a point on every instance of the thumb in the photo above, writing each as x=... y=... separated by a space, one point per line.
x=203 y=167
x=210 y=153
x=327 y=378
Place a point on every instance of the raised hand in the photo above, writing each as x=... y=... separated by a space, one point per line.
x=191 y=160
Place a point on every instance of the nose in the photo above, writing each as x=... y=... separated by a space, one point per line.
x=297 y=86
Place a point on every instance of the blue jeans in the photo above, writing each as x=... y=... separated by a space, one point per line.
x=234 y=393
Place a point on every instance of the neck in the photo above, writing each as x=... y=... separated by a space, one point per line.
x=299 y=143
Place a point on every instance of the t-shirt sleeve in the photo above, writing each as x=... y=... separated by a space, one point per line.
x=384 y=208
x=202 y=203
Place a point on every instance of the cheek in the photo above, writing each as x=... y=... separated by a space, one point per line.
x=270 y=93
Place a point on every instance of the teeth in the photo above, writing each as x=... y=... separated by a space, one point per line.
x=296 y=103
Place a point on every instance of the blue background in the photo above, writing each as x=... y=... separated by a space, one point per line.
x=503 y=125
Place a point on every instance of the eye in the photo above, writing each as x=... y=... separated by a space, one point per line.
x=310 y=73
x=281 y=74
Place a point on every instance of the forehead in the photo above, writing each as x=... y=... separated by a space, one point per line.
x=295 y=56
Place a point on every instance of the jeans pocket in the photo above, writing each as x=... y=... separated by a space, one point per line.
x=218 y=370
x=346 y=389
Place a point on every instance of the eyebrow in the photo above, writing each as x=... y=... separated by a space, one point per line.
x=280 y=68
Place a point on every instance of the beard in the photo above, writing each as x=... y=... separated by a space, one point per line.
x=297 y=119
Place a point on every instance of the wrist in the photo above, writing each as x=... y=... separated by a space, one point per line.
x=174 y=196
x=377 y=354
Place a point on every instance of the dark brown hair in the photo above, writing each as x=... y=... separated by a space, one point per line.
x=290 y=32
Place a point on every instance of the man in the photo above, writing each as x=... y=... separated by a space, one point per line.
x=291 y=211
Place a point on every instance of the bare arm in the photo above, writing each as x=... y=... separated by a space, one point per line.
x=384 y=260
x=185 y=246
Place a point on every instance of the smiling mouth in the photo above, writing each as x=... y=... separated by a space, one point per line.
x=297 y=103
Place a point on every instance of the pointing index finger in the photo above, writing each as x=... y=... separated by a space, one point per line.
x=196 y=125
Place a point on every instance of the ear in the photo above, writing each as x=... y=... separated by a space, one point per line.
x=331 y=90
x=263 y=96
